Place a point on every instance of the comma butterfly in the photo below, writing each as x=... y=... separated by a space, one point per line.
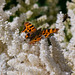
x=35 y=35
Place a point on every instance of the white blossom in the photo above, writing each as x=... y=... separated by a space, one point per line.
x=14 y=9
x=14 y=24
x=34 y=58
x=12 y=73
x=29 y=14
x=35 y=6
x=25 y=46
x=18 y=57
x=42 y=18
x=3 y=67
x=27 y=2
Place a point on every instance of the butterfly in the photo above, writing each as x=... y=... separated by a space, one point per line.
x=35 y=35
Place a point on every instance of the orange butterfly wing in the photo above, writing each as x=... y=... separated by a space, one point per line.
x=47 y=32
x=28 y=27
x=35 y=39
x=35 y=35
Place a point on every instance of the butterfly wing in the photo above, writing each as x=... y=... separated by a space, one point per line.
x=34 y=34
x=28 y=35
x=35 y=39
x=47 y=32
x=29 y=28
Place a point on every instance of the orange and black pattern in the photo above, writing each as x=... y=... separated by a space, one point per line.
x=28 y=27
x=47 y=32
x=35 y=35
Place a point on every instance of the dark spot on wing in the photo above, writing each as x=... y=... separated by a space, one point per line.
x=53 y=29
x=48 y=30
x=31 y=26
x=29 y=29
x=44 y=35
x=25 y=31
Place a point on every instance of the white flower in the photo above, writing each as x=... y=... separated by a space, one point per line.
x=59 y=18
x=3 y=67
x=35 y=6
x=57 y=54
x=27 y=2
x=39 y=58
x=12 y=73
x=43 y=26
x=42 y=18
x=25 y=47
x=3 y=57
x=22 y=56
x=13 y=49
x=1 y=2
x=60 y=25
x=14 y=24
x=8 y=13
x=14 y=9
x=22 y=37
x=49 y=62
x=34 y=58
x=29 y=14
x=44 y=44
x=70 y=13
x=33 y=71
x=22 y=18
x=73 y=0
x=70 y=5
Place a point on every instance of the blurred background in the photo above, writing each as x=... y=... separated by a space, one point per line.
x=48 y=8
x=61 y=3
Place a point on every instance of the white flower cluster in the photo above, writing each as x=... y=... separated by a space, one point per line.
x=60 y=25
x=22 y=58
x=71 y=45
x=43 y=18
x=3 y=67
x=36 y=60
x=29 y=13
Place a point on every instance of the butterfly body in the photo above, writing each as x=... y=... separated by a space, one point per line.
x=35 y=35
